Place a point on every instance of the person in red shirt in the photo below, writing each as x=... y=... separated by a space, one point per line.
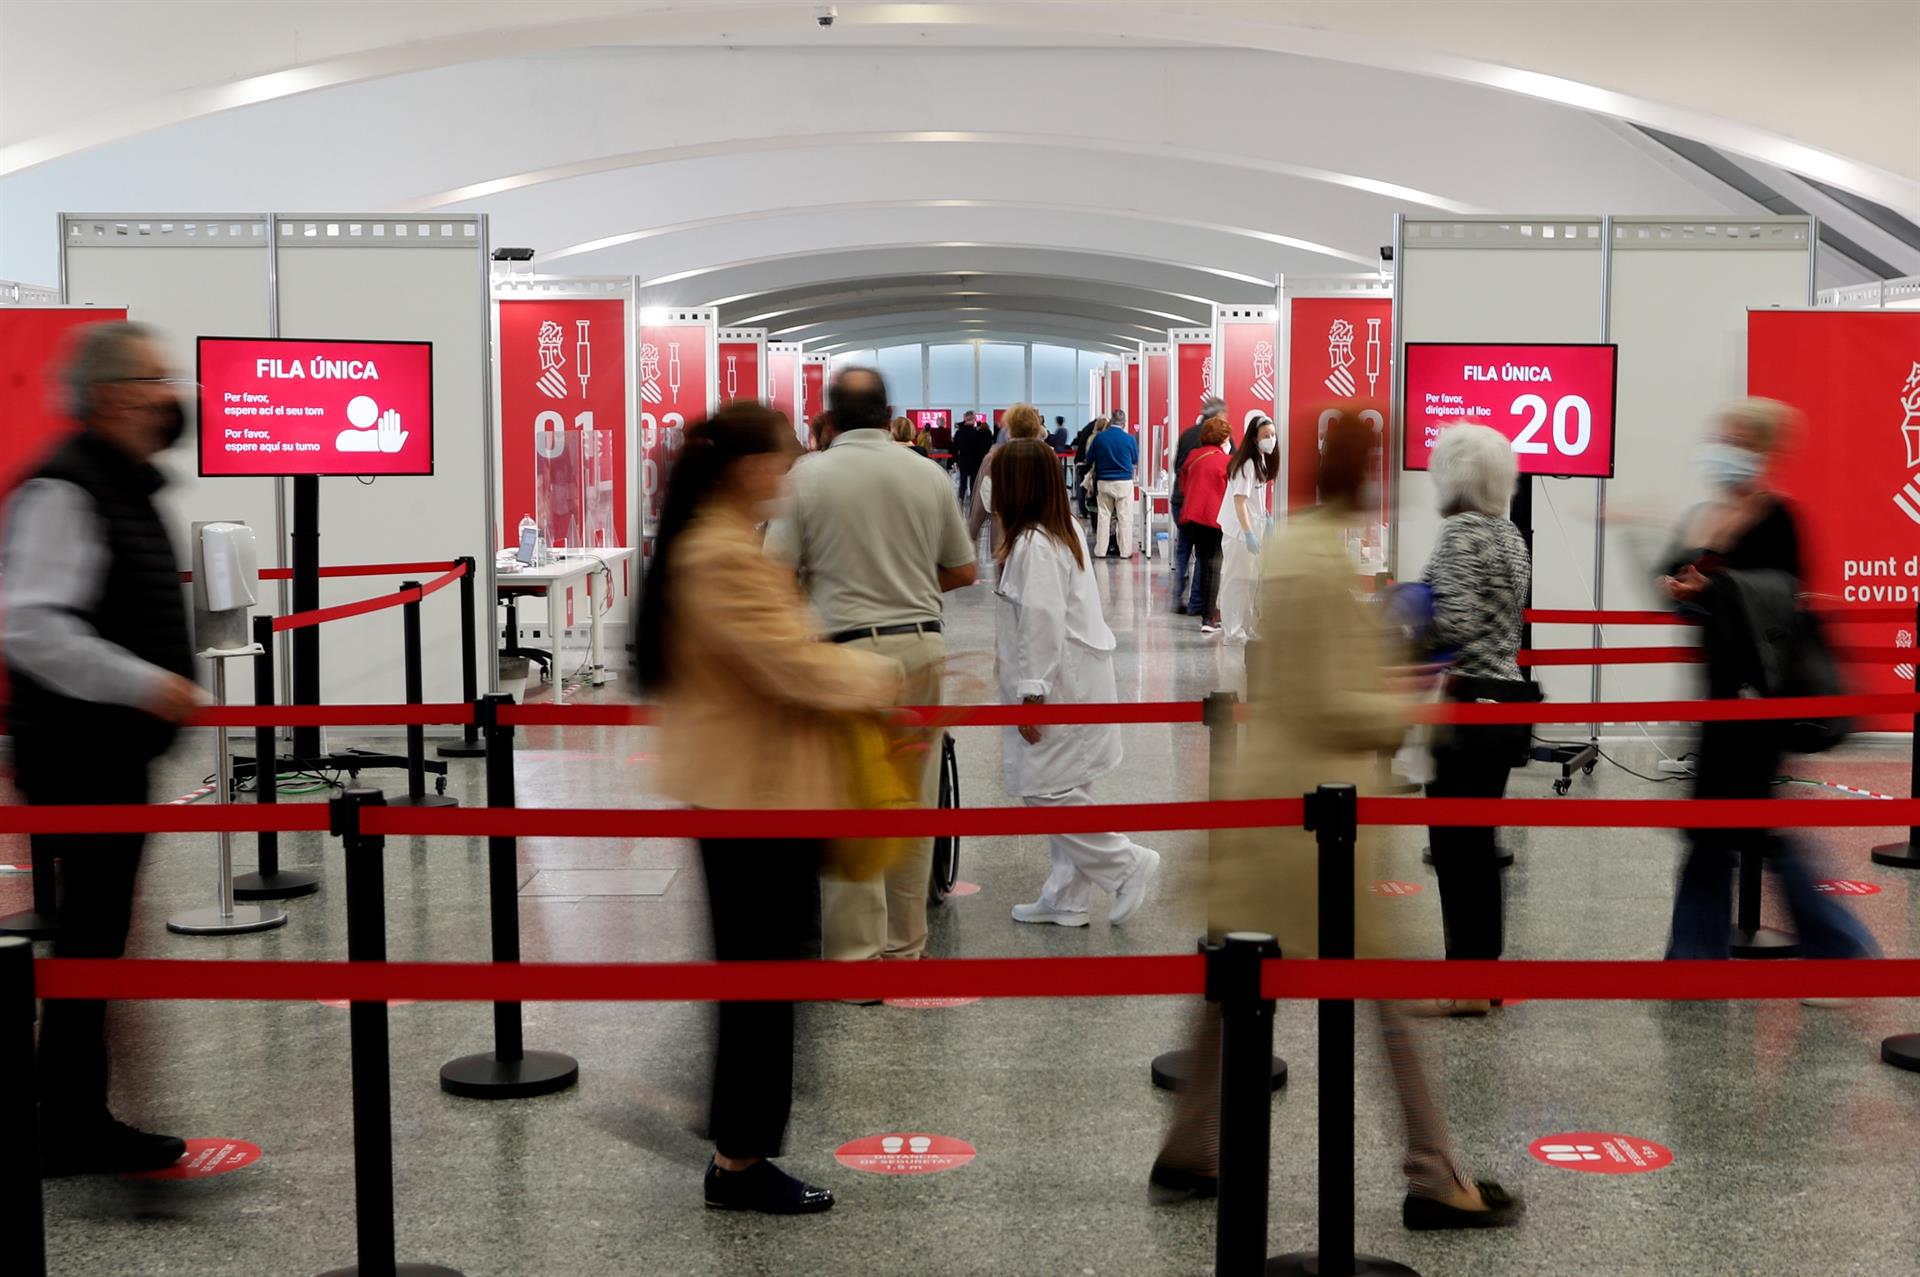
x=1203 y=481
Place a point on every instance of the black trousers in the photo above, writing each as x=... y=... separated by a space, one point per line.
x=1472 y=764
x=97 y=874
x=968 y=477
x=1206 y=562
x=764 y=897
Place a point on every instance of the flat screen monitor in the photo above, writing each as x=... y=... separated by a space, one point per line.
x=1553 y=401
x=279 y=406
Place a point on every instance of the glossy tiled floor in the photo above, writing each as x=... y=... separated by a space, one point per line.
x=1793 y=1147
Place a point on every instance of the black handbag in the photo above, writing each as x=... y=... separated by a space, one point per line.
x=1511 y=741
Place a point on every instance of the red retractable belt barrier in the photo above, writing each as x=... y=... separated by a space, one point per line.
x=352 y=569
x=167 y=818
x=1150 y=976
x=1687 y=655
x=454 y=714
x=940 y=716
x=341 y=611
x=1755 y=710
x=1589 y=616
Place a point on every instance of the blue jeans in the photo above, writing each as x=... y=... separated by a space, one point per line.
x=1186 y=586
x=1703 y=904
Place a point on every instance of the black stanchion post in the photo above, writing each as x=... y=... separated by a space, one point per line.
x=270 y=881
x=41 y=921
x=509 y=1071
x=1750 y=939
x=416 y=795
x=1246 y=1111
x=372 y=1082
x=21 y=1220
x=1903 y=855
x=1220 y=712
x=1331 y=815
x=469 y=745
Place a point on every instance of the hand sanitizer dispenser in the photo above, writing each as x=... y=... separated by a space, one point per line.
x=226 y=585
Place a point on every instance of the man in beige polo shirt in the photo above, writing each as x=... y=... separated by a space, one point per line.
x=874 y=530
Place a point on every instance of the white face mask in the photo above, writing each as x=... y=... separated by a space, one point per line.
x=1269 y=443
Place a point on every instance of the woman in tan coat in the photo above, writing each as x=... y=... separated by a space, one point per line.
x=748 y=695
x=1321 y=710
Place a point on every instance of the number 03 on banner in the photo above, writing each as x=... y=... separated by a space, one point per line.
x=1554 y=402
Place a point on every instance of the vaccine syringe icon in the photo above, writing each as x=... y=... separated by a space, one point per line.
x=733 y=376
x=673 y=369
x=583 y=355
x=1373 y=357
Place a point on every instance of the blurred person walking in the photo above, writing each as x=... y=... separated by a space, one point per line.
x=1243 y=525
x=1053 y=647
x=1186 y=588
x=1115 y=457
x=1737 y=571
x=907 y=435
x=1204 y=481
x=874 y=532
x=99 y=664
x=971 y=443
x=1478 y=575
x=1322 y=712
x=747 y=697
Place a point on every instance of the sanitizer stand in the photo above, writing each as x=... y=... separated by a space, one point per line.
x=226 y=917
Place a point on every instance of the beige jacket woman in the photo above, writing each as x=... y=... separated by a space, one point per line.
x=1319 y=711
x=745 y=721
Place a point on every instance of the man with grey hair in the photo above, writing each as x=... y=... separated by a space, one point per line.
x=99 y=667
x=1183 y=547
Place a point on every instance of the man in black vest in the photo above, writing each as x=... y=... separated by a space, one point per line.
x=99 y=666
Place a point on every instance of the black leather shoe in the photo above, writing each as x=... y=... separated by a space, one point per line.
x=1168 y=1184
x=106 y=1148
x=766 y=1188
x=1425 y=1214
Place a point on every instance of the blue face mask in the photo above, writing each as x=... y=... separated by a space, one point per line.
x=1726 y=467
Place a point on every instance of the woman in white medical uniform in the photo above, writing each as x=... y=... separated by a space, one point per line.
x=1243 y=526
x=1053 y=647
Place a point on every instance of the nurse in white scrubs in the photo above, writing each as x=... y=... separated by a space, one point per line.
x=1243 y=526
x=1053 y=647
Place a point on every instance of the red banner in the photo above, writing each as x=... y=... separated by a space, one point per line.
x=1136 y=406
x=813 y=390
x=782 y=370
x=33 y=344
x=1113 y=390
x=1854 y=470
x=1196 y=381
x=1339 y=358
x=1247 y=370
x=1158 y=395
x=739 y=370
x=290 y=406
x=673 y=394
x=1554 y=401
x=563 y=366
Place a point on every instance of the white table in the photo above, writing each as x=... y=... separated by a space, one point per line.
x=552 y=579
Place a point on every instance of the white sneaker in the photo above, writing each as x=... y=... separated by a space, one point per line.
x=1133 y=892
x=1037 y=912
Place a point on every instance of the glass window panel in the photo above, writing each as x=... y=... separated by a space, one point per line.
x=950 y=375
x=1055 y=369
x=1003 y=374
x=900 y=365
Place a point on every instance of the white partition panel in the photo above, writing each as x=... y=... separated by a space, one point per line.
x=190 y=277
x=1493 y=279
x=1680 y=291
x=396 y=279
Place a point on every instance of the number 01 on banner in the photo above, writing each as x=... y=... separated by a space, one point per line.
x=1554 y=403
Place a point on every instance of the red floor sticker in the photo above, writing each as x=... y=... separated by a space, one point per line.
x=1388 y=887
x=908 y=1153
x=1601 y=1153
x=930 y=1004
x=1847 y=887
x=965 y=889
x=209 y=1157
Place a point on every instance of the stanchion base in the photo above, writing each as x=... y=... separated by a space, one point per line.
x=1902 y=1052
x=34 y=926
x=461 y=749
x=1501 y=857
x=1172 y=1069
x=1898 y=855
x=424 y=800
x=286 y=884
x=487 y=1077
x=1306 y=1263
x=1767 y=942
x=399 y=1270
x=211 y=922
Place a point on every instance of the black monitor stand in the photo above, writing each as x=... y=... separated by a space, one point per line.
x=1568 y=758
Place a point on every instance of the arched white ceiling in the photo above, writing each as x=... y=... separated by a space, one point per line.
x=1085 y=170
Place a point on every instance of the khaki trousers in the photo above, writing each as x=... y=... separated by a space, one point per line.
x=886 y=917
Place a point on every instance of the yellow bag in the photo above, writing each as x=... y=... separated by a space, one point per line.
x=881 y=768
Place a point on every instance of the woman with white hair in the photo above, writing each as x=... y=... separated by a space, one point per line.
x=1479 y=573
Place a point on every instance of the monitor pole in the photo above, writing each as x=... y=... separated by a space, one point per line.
x=306 y=597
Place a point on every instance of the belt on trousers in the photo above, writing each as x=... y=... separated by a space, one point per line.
x=880 y=631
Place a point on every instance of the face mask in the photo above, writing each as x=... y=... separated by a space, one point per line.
x=1269 y=443
x=1726 y=467
x=173 y=421
x=1227 y=446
